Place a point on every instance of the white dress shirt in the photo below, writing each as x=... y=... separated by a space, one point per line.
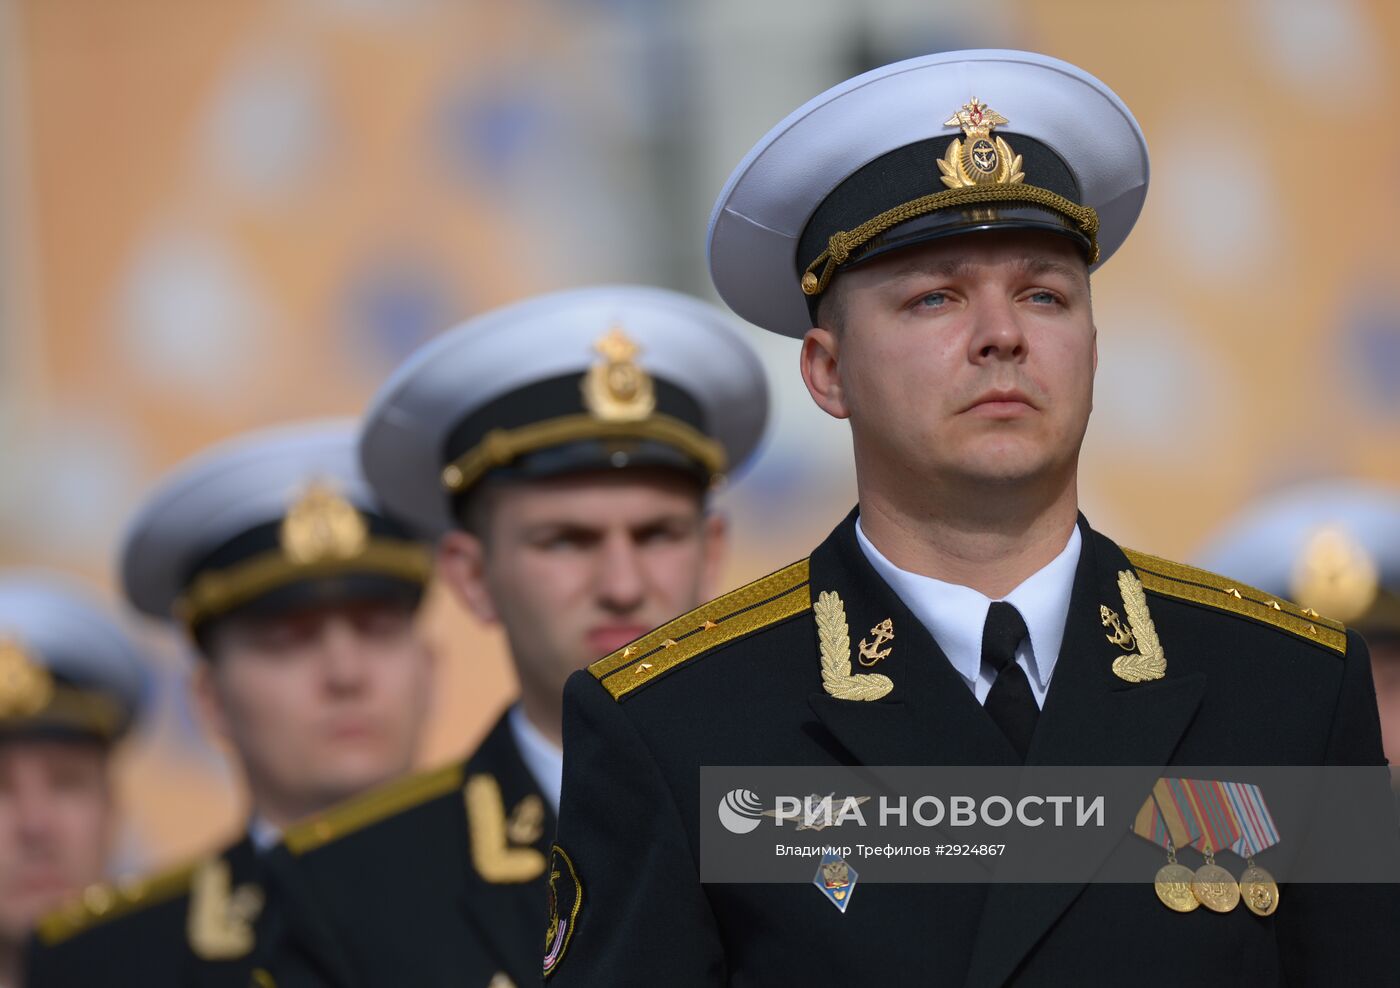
x=955 y=615
x=263 y=834
x=542 y=757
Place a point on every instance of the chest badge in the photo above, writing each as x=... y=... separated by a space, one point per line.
x=836 y=879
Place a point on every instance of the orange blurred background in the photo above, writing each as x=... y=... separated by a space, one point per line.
x=215 y=216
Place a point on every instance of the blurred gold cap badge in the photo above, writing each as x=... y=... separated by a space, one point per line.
x=983 y=160
x=322 y=525
x=1335 y=575
x=25 y=685
x=617 y=389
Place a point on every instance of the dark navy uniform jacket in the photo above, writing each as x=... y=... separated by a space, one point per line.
x=436 y=880
x=204 y=924
x=739 y=682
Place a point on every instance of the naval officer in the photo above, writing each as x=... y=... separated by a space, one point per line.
x=299 y=595
x=929 y=231
x=562 y=451
x=71 y=686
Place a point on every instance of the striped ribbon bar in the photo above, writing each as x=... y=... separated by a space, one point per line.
x=1175 y=806
x=1219 y=828
x=1149 y=823
x=1257 y=830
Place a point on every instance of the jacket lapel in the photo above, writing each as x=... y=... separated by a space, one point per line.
x=930 y=717
x=1091 y=717
x=503 y=894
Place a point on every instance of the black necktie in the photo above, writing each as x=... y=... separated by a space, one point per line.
x=1010 y=704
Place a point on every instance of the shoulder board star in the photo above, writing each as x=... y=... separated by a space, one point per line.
x=1182 y=582
x=777 y=596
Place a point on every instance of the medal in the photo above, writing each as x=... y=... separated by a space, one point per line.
x=1206 y=801
x=1257 y=832
x=1215 y=887
x=1173 y=882
x=1173 y=885
x=1259 y=890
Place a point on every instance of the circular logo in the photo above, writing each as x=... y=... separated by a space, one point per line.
x=983 y=155
x=740 y=810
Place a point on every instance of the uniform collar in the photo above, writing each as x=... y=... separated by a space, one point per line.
x=954 y=615
x=263 y=834
x=540 y=755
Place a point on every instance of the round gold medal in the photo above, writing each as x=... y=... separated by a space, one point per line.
x=1215 y=888
x=1259 y=891
x=1173 y=887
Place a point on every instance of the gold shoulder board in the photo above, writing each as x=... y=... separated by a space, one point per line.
x=107 y=901
x=1161 y=576
x=370 y=807
x=761 y=603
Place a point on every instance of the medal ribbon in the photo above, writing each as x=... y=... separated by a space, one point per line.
x=1149 y=824
x=1175 y=805
x=1257 y=830
x=1219 y=828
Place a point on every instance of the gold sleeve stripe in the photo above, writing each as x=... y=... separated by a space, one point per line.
x=99 y=903
x=775 y=597
x=375 y=805
x=1201 y=587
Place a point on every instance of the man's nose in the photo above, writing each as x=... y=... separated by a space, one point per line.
x=621 y=577
x=997 y=333
x=343 y=660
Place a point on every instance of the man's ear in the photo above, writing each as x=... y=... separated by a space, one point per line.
x=715 y=551
x=461 y=566
x=821 y=371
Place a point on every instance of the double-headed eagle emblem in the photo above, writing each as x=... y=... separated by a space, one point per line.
x=983 y=159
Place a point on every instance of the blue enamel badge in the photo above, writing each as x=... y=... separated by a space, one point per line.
x=836 y=879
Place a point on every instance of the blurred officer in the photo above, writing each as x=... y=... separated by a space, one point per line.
x=300 y=596
x=1333 y=547
x=928 y=231
x=70 y=686
x=562 y=451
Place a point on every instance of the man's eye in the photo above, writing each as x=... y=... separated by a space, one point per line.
x=566 y=542
x=933 y=300
x=1044 y=298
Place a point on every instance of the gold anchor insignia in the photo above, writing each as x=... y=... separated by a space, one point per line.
x=1122 y=637
x=526 y=823
x=322 y=525
x=1336 y=575
x=220 y=921
x=983 y=160
x=495 y=860
x=1149 y=661
x=618 y=389
x=870 y=652
x=25 y=686
x=834 y=634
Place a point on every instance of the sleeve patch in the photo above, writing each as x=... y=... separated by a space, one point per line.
x=565 y=903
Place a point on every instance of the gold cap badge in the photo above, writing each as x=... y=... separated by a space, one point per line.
x=322 y=525
x=1335 y=575
x=25 y=685
x=617 y=389
x=983 y=160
